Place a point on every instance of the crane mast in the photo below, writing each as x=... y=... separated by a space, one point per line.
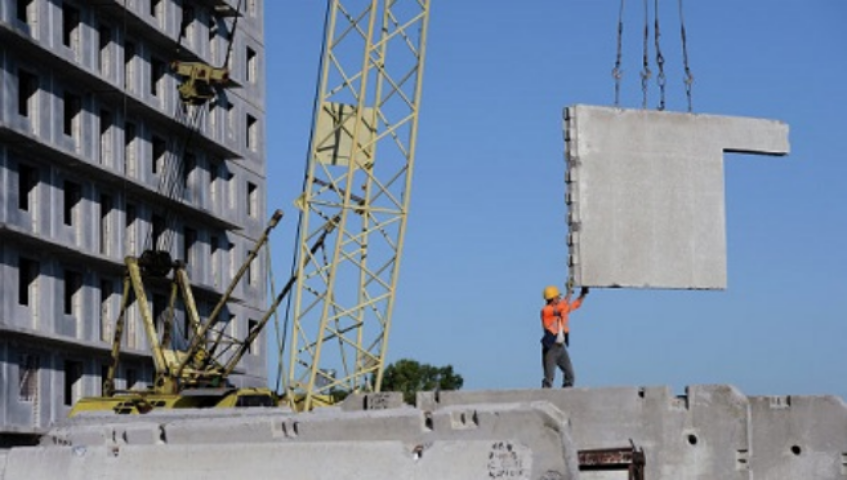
x=355 y=200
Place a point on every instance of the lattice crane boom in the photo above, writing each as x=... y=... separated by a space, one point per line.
x=356 y=196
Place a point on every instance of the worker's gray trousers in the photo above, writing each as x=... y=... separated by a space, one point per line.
x=556 y=356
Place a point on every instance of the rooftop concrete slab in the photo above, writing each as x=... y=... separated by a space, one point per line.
x=646 y=194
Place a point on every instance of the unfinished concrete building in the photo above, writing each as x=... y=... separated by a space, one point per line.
x=89 y=121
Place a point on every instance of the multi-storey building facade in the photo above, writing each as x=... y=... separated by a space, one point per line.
x=90 y=118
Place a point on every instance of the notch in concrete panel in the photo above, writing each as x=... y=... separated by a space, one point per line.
x=646 y=194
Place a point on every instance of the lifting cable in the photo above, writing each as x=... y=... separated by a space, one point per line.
x=172 y=182
x=617 y=73
x=294 y=258
x=231 y=35
x=660 y=59
x=689 y=78
x=646 y=73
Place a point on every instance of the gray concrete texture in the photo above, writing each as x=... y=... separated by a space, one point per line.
x=713 y=431
x=527 y=440
x=710 y=432
x=645 y=194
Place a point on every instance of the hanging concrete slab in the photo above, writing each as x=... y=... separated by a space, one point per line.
x=646 y=194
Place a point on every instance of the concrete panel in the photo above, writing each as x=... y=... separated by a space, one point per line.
x=529 y=440
x=693 y=436
x=713 y=431
x=325 y=460
x=646 y=194
x=798 y=437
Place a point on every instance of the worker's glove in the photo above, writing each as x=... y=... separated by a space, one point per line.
x=583 y=292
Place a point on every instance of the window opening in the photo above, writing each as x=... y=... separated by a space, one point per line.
x=129 y=64
x=251 y=65
x=73 y=379
x=73 y=195
x=129 y=148
x=107 y=288
x=105 y=42
x=106 y=205
x=73 y=107
x=106 y=122
x=27 y=275
x=27 y=183
x=73 y=285
x=27 y=377
x=70 y=26
x=27 y=89
x=159 y=150
x=252 y=137
x=253 y=348
x=252 y=199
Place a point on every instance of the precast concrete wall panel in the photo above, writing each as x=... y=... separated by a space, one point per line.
x=530 y=440
x=713 y=431
x=696 y=435
x=798 y=437
x=646 y=194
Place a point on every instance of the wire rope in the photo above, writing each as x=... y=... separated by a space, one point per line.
x=689 y=78
x=617 y=73
x=315 y=109
x=660 y=59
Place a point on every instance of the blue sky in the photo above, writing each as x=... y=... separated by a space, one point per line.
x=486 y=230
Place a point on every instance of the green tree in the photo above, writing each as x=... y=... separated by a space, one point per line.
x=410 y=376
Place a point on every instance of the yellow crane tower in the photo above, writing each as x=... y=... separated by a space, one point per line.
x=355 y=199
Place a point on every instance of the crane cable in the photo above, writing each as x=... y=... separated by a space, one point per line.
x=646 y=73
x=689 y=78
x=231 y=36
x=617 y=73
x=660 y=59
x=294 y=258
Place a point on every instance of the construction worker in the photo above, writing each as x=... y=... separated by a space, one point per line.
x=554 y=343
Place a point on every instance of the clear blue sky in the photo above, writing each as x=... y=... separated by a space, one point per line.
x=487 y=228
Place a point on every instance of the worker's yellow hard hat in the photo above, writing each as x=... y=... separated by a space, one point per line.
x=551 y=292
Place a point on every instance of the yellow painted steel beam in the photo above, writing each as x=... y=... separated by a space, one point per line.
x=357 y=194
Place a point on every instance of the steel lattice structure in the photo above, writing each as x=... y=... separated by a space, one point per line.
x=356 y=197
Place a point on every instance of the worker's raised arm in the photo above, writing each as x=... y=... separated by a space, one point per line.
x=578 y=302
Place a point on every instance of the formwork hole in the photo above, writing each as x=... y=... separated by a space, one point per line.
x=428 y=420
x=796 y=450
x=641 y=393
x=692 y=439
x=417 y=452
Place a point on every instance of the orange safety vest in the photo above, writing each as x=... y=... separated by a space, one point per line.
x=558 y=311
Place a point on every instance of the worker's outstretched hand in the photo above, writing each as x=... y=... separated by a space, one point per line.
x=583 y=292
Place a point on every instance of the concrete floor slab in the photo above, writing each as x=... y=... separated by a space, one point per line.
x=646 y=194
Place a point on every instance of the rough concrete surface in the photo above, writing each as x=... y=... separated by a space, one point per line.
x=711 y=432
x=646 y=194
x=528 y=440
